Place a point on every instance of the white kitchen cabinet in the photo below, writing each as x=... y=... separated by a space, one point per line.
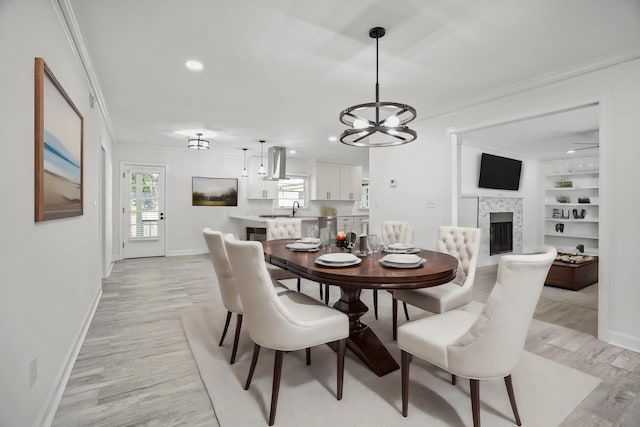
x=350 y=182
x=257 y=186
x=572 y=205
x=353 y=223
x=325 y=182
x=336 y=182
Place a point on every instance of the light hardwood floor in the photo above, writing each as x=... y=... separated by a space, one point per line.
x=135 y=366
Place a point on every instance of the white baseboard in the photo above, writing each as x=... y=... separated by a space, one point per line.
x=624 y=340
x=187 y=252
x=45 y=418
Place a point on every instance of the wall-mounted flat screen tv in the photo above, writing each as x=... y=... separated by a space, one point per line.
x=501 y=173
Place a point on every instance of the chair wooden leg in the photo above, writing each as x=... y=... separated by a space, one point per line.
x=320 y=289
x=404 y=366
x=512 y=398
x=254 y=360
x=453 y=379
x=226 y=326
x=277 y=371
x=326 y=293
x=375 y=303
x=236 y=338
x=406 y=311
x=342 y=346
x=308 y=355
x=298 y=284
x=474 y=385
x=394 y=317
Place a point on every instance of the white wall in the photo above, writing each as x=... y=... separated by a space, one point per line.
x=423 y=169
x=50 y=271
x=184 y=222
x=530 y=192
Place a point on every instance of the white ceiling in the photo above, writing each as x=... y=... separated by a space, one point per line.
x=544 y=137
x=282 y=70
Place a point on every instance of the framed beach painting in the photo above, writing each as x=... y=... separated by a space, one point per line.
x=214 y=191
x=58 y=149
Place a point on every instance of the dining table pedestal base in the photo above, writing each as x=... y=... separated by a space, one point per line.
x=362 y=341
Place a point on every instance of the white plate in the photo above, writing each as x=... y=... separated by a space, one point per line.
x=400 y=246
x=339 y=258
x=402 y=251
x=400 y=265
x=401 y=258
x=338 y=264
x=313 y=240
x=303 y=246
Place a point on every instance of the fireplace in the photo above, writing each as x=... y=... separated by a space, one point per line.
x=500 y=232
x=487 y=208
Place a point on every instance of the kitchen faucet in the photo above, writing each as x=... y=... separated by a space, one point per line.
x=296 y=206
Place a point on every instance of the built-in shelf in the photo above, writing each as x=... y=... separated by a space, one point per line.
x=573 y=188
x=576 y=236
x=584 y=184
x=571 y=204
x=585 y=174
x=572 y=220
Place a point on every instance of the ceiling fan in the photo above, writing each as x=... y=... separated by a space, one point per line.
x=590 y=146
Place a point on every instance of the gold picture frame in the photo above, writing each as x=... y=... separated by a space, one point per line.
x=59 y=129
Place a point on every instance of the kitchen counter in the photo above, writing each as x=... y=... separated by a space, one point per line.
x=263 y=219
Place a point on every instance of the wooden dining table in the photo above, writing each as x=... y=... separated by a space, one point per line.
x=439 y=268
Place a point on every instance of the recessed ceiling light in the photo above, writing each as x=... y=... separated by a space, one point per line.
x=292 y=151
x=570 y=151
x=194 y=65
x=333 y=138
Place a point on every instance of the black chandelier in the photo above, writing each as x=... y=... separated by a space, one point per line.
x=378 y=124
x=198 y=143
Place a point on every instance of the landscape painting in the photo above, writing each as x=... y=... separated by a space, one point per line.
x=58 y=149
x=214 y=191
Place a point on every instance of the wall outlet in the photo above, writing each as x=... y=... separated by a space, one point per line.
x=393 y=183
x=33 y=371
x=432 y=203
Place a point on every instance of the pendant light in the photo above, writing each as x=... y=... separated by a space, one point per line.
x=198 y=143
x=262 y=170
x=244 y=171
x=378 y=124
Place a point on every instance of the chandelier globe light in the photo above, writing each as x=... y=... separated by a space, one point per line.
x=378 y=124
x=198 y=143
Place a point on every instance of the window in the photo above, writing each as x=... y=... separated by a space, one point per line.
x=364 y=199
x=291 y=190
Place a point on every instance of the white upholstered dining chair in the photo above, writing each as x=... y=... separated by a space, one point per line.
x=284 y=228
x=480 y=346
x=463 y=243
x=227 y=285
x=393 y=232
x=293 y=321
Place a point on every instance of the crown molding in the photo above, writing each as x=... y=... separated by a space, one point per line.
x=601 y=63
x=72 y=30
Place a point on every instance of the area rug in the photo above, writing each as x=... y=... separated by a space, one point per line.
x=546 y=392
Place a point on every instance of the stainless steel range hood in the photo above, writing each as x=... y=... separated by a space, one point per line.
x=276 y=164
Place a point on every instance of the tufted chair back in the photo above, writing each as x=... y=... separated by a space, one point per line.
x=284 y=228
x=271 y=322
x=222 y=267
x=464 y=244
x=396 y=232
x=492 y=346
